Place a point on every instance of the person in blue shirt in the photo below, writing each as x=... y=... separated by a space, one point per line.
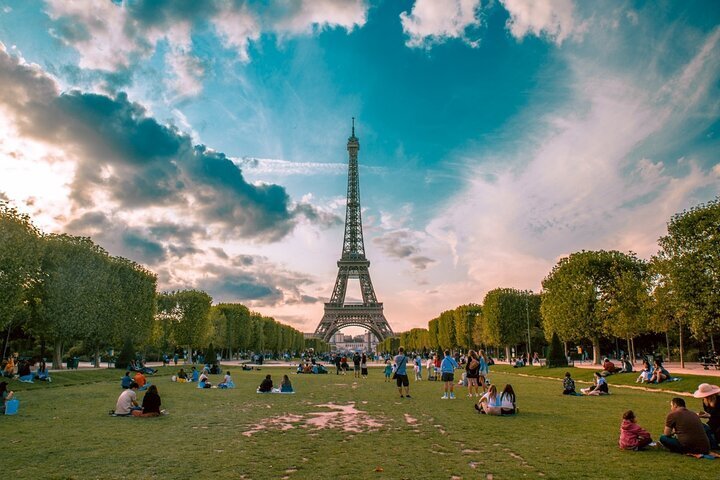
x=401 y=373
x=126 y=380
x=447 y=370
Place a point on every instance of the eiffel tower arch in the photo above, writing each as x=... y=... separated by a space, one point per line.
x=353 y=265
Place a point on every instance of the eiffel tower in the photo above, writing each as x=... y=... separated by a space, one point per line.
x=353 y=264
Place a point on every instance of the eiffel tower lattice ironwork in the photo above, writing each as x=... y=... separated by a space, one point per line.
x=353 y=265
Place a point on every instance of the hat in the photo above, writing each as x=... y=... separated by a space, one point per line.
x=705 y=390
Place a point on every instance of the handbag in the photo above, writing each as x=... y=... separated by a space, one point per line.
x=474 y=364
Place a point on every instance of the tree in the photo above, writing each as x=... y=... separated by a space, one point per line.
x=20 y=256
x=446 y=330
x=465 y=317
x=193 y=325
x=689 y=266
x=580 y=292
x=504 y=317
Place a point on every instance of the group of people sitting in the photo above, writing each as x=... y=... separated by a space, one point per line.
x=610 y=368
x=684 y=431
x=138 y=379
x=654 y=374
x=266 y=386
x=24 y=370
x=493 y=404
x=202 y=378
x=311 y=368
x=138 y=366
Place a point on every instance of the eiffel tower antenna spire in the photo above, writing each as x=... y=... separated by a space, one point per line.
x=353 y=265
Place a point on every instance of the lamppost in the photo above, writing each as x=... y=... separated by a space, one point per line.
x=527 y=317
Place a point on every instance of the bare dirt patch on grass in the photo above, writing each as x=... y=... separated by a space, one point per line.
x=341 y=417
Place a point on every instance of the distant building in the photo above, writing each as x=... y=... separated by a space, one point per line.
x=348 y=343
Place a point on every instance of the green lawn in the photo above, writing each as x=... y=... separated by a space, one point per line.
x=63 y=431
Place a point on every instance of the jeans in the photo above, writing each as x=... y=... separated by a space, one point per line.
x=671 y=443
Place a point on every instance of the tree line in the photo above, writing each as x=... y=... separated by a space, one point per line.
x=595 y=295
x=61 y=290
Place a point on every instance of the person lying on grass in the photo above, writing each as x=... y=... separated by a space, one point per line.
x=600 y=386
x=684 y=432
x=632 y=435
x=266 y=385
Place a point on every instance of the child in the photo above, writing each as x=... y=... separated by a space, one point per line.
x=632 y=435
x=645 y=373
x=569 y=385
x=388 y=370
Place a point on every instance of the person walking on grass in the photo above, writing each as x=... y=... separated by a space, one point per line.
x=418 y=367
x=447 y=370
x=401 y=377
x=356 y=364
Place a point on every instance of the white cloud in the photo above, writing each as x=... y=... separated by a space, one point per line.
x=554 y=19
x=319 y=14
x=432 y=21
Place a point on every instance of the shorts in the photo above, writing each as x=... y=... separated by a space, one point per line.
x=356 y=367
x=402 y=380
x=448 y=377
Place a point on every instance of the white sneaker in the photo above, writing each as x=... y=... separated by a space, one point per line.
x=444 y=397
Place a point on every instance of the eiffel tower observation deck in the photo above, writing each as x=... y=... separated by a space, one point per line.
x=353 y=264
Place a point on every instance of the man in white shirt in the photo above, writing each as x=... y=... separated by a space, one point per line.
x=127 y=400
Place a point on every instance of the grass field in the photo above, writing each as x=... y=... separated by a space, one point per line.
x=334 y=427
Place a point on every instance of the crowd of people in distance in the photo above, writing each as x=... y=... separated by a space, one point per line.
x=21 y=369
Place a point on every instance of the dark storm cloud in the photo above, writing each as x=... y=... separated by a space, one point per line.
x=139 y=162
x=401 y=244
x=258 y=281
x=143 y=248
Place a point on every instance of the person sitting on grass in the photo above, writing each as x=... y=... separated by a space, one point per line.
x=632 y=435
x=285 y=385
x=24 y=373
x=684 y=432
x=141 y=381
x=507 y=401
x=5 y=395
x=182 y=376
x=127 y=401
x=711 y=411
x=627 y=366
x=609 y=367
x=42 y=374
x=266 y=385
x=227 y=381
x=9 y=370
x=204 y=381
x=645 y=373
x=246 y=368
x=490 y=402
x=600 y=386
x=194 y=374
x=569 y=385
x=126 y=380
x=150 y=405
x=659 y=374
x=447 y=369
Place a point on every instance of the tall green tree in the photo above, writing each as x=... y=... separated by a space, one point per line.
x=20 y=258
x=689 y=261
x=193 y=327
x=580 y=292
x=505 y=317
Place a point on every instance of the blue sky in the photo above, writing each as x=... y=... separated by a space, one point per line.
x=207 y=139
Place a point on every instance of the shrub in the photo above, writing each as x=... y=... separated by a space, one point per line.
x=127 y=354
x=556 y=353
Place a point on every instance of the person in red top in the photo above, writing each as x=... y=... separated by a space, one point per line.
x=609 y=366
x=632 y=435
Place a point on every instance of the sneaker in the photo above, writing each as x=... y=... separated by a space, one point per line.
x=652 y=444
x=402 y=396
x=444 y=397
x=452 y=396
x=408 y=396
